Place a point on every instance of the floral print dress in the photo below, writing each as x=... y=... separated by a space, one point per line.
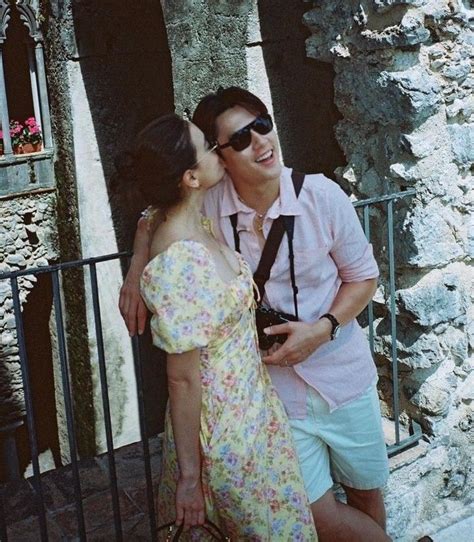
x=250 y=473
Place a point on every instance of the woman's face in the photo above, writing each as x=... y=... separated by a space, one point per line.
x=208 y=164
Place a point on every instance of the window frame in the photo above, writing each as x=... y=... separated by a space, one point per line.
x=32 y=171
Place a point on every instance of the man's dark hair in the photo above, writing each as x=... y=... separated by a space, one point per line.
x=214 y=104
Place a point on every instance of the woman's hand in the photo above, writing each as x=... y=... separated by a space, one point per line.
x=190 y=507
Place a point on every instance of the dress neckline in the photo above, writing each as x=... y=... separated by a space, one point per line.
x=211 y=259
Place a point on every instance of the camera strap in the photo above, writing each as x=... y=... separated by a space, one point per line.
x=280 y=225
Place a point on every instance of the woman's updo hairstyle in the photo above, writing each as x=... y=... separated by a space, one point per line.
x=155 y=166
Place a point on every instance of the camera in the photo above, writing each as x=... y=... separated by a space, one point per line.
x=266 y=317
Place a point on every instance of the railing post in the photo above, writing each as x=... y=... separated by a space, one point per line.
x=68 y=403
x=30 y=417
x=393 y=321
x=144 y=436
x=370 y=306
x=105 y=403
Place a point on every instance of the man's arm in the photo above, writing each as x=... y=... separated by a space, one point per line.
x=131 y=305
x=304 y=338
x=184 y=386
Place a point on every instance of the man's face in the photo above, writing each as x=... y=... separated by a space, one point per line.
x=257 y=163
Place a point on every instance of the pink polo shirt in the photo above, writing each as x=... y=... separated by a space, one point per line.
x=330 y=247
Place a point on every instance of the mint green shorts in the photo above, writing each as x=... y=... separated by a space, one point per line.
x=344 y=446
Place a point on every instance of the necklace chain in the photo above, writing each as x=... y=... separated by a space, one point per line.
x=259 y=217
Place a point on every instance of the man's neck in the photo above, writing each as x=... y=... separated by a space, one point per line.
x=259 y=197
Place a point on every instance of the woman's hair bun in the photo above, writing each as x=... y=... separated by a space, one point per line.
x=153 y=168
x=126 y=167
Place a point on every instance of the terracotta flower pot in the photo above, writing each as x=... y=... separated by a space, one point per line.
x=28 y=148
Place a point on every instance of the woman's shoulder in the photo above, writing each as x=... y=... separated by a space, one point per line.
x=170 y=251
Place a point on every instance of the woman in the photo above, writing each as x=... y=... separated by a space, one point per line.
x=228 y=453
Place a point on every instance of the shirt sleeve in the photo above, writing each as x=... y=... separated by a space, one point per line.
x=350 y=250
x=179 y=290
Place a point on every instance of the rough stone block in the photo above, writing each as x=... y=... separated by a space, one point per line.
x=417 y=91
x=462 y=142
x=431 y=237
x=381 y=6
x=402 y=35
x=443 y=289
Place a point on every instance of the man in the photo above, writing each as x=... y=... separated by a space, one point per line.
x=324 y=372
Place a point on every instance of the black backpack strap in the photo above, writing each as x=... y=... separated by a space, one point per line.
x=280 y=225
x=268 y=256
x=298 y=180
x=289 y=221
x=233 y=221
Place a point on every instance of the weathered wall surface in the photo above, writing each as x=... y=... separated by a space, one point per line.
x=110 y=73
x=404 y=86
x=28 y=238
x=259 y=46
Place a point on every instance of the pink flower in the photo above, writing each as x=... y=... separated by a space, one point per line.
x=15 y=127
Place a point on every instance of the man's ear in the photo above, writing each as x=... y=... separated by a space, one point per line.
x=190 y=180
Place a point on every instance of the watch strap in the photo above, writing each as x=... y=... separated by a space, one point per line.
x=334 y=322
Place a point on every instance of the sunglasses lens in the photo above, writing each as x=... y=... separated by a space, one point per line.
x=263 y=124
x=242 y=139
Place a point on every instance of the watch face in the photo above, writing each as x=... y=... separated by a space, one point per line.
x=336 y=332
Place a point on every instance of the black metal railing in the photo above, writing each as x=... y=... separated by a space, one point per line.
x=387 y=203
x=54 y=271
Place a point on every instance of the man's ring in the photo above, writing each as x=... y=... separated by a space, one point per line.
x=285 y=363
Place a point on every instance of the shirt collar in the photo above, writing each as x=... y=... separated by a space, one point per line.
x=286 y=204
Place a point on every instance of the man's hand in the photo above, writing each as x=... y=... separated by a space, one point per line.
x=131 y=305
x=190 y=507
x=303 y=340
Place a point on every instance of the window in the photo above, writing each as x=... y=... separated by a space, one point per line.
x=26 y=143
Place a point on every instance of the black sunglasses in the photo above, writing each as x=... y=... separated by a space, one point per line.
x=241 y=139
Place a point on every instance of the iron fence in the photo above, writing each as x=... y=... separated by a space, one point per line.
x=387 y=202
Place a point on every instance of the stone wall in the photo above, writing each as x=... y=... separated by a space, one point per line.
x=259 y=46
x=28 y=238
x=403 y=85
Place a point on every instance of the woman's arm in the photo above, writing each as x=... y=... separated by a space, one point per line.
x=131 y=305
x=184 y=386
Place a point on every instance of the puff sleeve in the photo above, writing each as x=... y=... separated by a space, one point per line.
x=178 y=287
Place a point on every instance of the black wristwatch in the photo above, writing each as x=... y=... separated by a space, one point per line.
x=336 y=326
